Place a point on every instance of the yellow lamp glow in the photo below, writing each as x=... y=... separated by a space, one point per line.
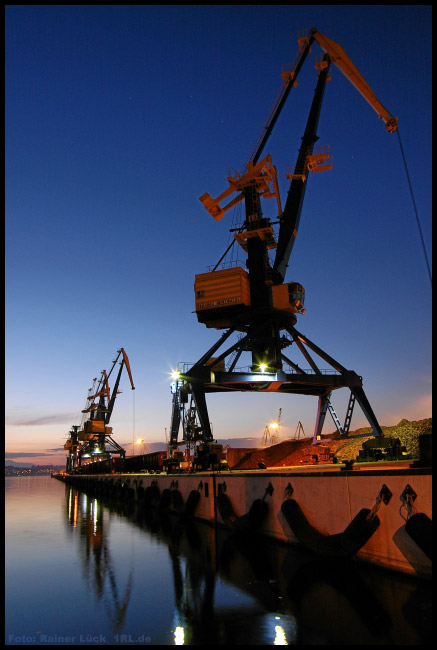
x=179 y=636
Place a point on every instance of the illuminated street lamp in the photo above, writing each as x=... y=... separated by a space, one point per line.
x=140 y=441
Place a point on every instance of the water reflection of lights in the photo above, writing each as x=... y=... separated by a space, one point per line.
x=271 y=608
x=280 y=630
x=73 y=503
x=94 y=511
x=179 y=636
x=86 y=514
x=75 y=509
x=280 y=636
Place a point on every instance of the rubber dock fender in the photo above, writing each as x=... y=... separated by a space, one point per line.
x=118 y=489
x=152 y=496
x=419 y=528
x=191 y=504
x=177 y=501
x=107 y=487
x=249 y=521
x=141 y=493
x=165 y=499
x=127 y=491
x=342 y=545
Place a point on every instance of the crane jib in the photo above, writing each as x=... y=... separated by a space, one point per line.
x=273 y=119
x=351 y=72
x=293 y=207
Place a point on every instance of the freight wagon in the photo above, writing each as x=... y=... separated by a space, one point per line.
x=153 y=462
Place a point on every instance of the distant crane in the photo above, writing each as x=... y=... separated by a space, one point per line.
x=93 y=438
x=298 y=431
x=271 y=438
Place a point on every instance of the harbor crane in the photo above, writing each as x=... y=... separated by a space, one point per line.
x=255 y=302
x=93 y=439
x=299 y=430
x=271 y=432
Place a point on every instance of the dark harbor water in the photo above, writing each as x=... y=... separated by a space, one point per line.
x=85 y=571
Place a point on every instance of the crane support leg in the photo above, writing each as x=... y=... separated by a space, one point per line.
x=207 y=356
x=321 y=414
x=315 y=348
x=362 y=400
x=209 y=375
x=336 y=420
x=348 y=418
x=198 y=392
x=175 y=415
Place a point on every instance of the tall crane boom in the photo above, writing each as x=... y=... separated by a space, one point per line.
x=124 y=362
x=292 y=210
x=290 y=81
x=344 y=64
x=293 y=207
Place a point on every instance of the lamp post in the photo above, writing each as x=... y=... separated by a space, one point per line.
x=274 y=436
x=140 y=441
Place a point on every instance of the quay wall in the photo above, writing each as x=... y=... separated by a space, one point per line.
x=330 y=500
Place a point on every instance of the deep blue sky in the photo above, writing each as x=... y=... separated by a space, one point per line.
x=118 y=118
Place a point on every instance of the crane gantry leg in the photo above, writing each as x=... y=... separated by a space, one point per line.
x=213 y=374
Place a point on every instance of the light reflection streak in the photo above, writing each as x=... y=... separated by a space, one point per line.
x=87 y=516
x=73 y=503
x=280 y=638
x=94 y=512
x=179 y=636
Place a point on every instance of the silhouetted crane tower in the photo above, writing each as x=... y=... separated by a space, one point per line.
x=256 y=303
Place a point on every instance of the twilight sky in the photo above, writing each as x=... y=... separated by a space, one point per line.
x=118 y=117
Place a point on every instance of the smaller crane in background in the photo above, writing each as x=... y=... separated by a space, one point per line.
x=271 y=437
x=298 y=431
x=93 y=438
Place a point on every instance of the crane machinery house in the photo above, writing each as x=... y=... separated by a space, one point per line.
x=223 y=296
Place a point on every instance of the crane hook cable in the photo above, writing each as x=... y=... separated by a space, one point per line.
x=133 y=424
x=415 y=209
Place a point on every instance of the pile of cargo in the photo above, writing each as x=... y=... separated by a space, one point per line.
x=400 y=442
